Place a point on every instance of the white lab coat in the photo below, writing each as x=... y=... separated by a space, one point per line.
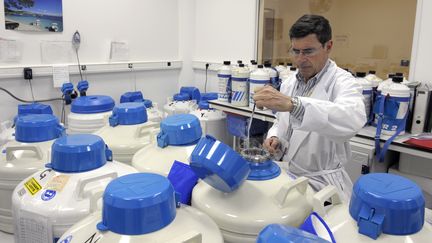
x=319 y=145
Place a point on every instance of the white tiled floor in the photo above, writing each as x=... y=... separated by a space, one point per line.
x=6 y=238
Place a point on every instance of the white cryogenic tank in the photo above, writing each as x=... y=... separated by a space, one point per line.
x=153 y=112
x=241 y=196
x=366 y=91
x=89 y=114
x=240 y=86
x=23 y=157
x=383 y=208
x=183 y=102
x=140 y=208
x=128 y=131
x=50 y=201
x=224 y=76
x=212 y=121
x=258 y=78
x=176 y=140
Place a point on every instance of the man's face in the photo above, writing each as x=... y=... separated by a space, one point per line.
x=309 y=54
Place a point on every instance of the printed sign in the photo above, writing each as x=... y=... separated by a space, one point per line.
x=48 y=195
x=57 y=183
x=32 y=186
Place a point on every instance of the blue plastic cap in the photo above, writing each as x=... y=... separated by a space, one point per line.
x=209 y=96
x=315 y=223
x=138 y=204
x=83 y=86
x=387 y=203
x=193 y=92
x=277 y=233
x=34 y=108
x=135 y=96
x=148 y=103
x=67 y=88
x=204 y=105
x=263 y=171
x=218 y=164
x=130 y=113
x=92 y=104
x=34 y=128
x=181 y=97
x=78 y=153
x=182 y=129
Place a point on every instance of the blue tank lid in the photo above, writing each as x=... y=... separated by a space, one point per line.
x=130 y=113
x=261 y=165
x=137 y=204
x=34 y=108
x=79 y=153
x=277 y=233
x=209 y=96
x=218 y=164
x=204 y=105
x=92 y=104
x=181 y=129
x=135 y=96
x=34 y=128
x=387 y=203
x=148 y=103
x=193 y=92
x=181 y=97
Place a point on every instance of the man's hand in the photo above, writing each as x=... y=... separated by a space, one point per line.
x=270 y=98
x=272 y=145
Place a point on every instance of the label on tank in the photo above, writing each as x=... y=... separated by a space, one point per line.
x=33 y=228
x=57 y=183
x=48 y=195
x=32 y=186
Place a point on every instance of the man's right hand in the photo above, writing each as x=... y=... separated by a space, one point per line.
x=272 y=145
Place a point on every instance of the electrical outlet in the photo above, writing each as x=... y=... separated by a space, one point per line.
x=28 y=73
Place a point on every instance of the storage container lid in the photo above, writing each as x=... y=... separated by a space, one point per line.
x=209 y=96
x=387 y=203
x=193 y=92
x=79 y=153
x=218 y=164
x=277 y=233
x=34 y=128
x=181 y=97
x=135 y=96
x=148 y=103
x=138 y=204
x=130 y=113
x=261 y=165
x=181 y=129
x=204 y=105
x=92 y=104
x=34 y=108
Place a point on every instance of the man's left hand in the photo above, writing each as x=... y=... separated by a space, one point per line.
x=270 y=98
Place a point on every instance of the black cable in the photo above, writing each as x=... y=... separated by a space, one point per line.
x=28 y=101
x=79 y=65
x=205 y=85
x=31 y=89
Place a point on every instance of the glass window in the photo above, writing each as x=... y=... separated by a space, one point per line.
x=367 y=35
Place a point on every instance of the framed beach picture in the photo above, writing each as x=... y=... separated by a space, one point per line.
x=34 y=15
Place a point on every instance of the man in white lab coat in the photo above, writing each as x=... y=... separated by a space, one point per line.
x=318 y=110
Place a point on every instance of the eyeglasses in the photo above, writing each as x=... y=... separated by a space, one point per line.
x=308 y=52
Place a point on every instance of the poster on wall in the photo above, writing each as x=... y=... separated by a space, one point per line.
x=34 y=15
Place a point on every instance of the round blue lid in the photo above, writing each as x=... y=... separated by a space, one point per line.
x=135 y=96
x=33 y=128
x=79 y=153
x=181 y=129
x=92 y=104
x=193 y=92
x=181 y=97
x=218 y=164
x=34 y=108
x=261 y=165
x=387 y=203
x=204 y=105
x=277 y=233
x=209 y=96
x=148 y=103
x=130 y=113
x=137 y=204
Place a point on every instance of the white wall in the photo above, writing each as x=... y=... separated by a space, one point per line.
x=150 y=27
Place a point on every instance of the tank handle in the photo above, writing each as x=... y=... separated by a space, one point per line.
x=147 y=129
x=10 y=156
x=189 y=237
x=300 y=184
x=95 y=194
x=328 y=192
